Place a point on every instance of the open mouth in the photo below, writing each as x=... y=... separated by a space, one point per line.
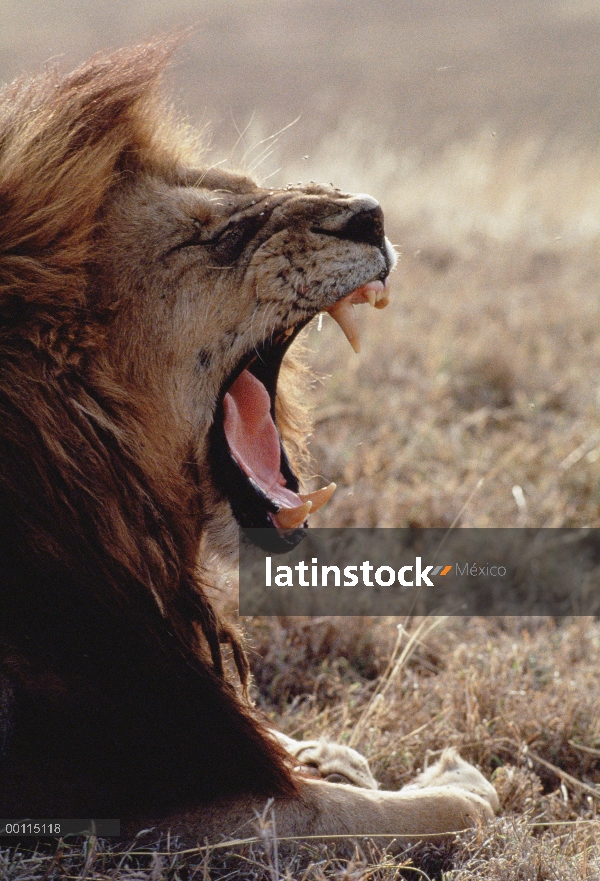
x=250 y=464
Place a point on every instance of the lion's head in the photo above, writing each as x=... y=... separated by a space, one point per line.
x=211 y=277
x=147 y=304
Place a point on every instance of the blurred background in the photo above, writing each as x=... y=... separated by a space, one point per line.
x=418 y=74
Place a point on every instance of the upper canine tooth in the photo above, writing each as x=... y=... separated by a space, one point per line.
x=319 y=497
x=290 y=518
x=371 y=297
x=343 y=312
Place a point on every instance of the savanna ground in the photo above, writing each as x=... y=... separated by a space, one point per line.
x=475 y=400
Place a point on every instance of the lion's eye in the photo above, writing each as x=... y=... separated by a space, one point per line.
x=229 y=245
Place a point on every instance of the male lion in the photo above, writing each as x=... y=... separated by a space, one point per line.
x=146 y=304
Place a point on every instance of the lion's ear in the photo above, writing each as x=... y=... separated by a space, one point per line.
x=63 y=143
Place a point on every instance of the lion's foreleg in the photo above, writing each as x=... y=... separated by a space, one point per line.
x=332 y=809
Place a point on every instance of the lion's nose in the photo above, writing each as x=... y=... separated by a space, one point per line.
x=365 y=226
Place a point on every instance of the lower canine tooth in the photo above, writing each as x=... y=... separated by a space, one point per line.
x=290 y=518
x=383 y=297
x=343 y=312
x=320 y=497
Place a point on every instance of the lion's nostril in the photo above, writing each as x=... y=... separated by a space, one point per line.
x=366 y=227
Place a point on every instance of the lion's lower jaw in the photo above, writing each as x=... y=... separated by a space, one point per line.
x=332 y=809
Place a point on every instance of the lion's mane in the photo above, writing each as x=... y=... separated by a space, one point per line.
x=112 y=687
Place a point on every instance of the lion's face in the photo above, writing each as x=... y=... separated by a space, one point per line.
x=213 y=277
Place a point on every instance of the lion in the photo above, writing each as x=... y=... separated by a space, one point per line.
x=147 y=411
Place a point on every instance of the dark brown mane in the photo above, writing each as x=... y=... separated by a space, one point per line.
x=98 y=550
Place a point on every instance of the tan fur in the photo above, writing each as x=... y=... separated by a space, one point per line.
x=328 y=809
x=133 y=280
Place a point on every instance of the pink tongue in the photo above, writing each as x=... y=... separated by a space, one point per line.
x=253 y=438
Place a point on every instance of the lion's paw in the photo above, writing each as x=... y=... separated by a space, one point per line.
x=452 y=771
x=330 y=761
